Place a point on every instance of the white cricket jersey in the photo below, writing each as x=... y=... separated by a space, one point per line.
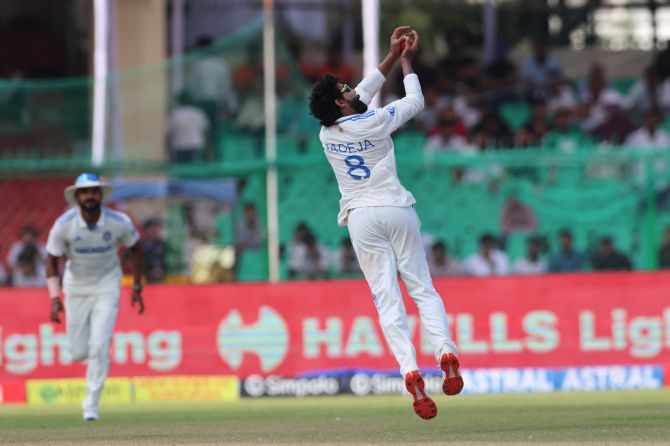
x=93 y=265
x=360 y=148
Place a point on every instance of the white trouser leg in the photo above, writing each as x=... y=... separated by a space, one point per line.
x=378 y=263
x=78 y=324
x=103 y=318
x=405 y=236
x=90 y=324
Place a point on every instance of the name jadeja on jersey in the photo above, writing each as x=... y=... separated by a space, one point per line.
x=350 y=147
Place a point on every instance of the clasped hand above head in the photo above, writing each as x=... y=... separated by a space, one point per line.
x=398 y=40
x=404 y=42
x=404 y=45
x=410 y=44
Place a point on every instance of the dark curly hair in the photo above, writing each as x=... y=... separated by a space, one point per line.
x=322 y=100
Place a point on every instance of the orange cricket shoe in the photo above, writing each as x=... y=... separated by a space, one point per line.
x=423 y=405
x=453 y=381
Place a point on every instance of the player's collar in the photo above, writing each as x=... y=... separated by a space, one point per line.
x=100 y=222
x=357 y=116
x=345 y=118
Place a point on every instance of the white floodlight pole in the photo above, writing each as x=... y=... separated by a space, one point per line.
x=100 y=72
x=371 y=40
x=271 y=138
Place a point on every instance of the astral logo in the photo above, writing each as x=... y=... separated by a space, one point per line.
x=267 y=339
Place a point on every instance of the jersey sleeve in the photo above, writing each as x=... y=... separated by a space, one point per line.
x=370 y=85
x=129 y=235
x=399 y=112
x=56 y=243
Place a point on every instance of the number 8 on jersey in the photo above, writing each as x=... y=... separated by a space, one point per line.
x=357 y=168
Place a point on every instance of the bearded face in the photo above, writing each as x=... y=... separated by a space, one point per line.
x=89 y=199
x=352 y=99
x=358 y=105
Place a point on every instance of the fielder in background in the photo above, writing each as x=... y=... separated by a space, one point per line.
x=379 y=211
x=89 y=236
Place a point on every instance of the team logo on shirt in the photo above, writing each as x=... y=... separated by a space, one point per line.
x=107 y=236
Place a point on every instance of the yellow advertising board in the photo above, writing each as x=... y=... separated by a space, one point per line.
x=186 y=388
x=73 y=390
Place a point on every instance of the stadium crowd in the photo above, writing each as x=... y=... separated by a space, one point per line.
x=470 y=107
x=309 y=260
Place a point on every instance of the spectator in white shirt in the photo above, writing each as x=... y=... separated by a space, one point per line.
x=649 y=135
x=427 y=118
x=209 y=80
x=249 y=232
x=601 y=107
x=30 y=270
x=559 y=93
x=649 y=92
x=440 y=264
x=307 y=259
x=188 y=131
x=448 y=133
x=537 y=66
x=28 y=237
x=489 y=261
x=346 y=261
x=315 y=264
x=533 y=263
x=210 y=84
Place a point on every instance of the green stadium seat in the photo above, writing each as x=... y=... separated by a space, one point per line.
x=666 y=123
x=225 y=229
x=516 y=246
x=624 y=85
x=253 y=266
x=409 y=142
x=314 y=146
x=287 y=146
x=238 y=146
x=515 y=114
x=254 y=190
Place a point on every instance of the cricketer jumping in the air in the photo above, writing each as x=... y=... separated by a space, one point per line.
x=89 y=236
x=379 y=211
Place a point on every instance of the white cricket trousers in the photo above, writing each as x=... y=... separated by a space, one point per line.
x=387 y=240
x=90 y=324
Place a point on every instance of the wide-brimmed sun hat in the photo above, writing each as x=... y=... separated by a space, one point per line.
x=87 y=180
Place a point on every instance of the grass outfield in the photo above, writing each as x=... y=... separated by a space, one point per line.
x=612 y=418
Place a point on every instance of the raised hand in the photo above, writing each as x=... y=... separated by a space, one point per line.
x=411 y=45
x=397 y=39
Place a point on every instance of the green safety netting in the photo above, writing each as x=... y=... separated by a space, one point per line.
x=44 y=133
x=617 y=194
x=52 y=118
